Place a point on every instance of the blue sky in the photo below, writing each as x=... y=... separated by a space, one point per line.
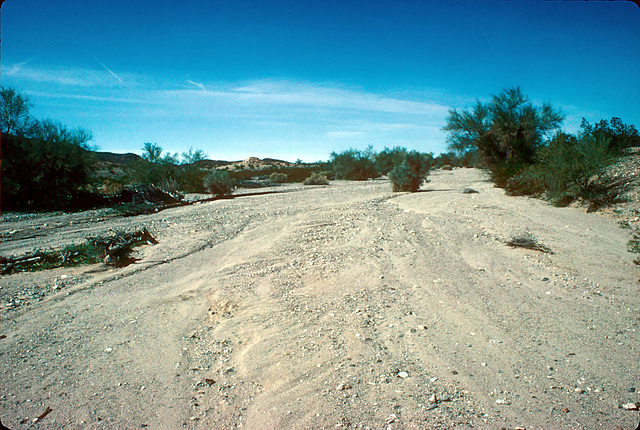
x=300 y=79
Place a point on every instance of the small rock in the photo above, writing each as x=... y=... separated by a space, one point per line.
x=391 y=419
x=630 y=406
x=502 y=402
x=343 y=386
x=108 y=349
x=434 y=379
x=631 y=389
x=433 y=398
x=565 y=410
x=403 y=375
x=579 y=390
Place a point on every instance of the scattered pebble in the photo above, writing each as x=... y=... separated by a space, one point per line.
x=403 y=375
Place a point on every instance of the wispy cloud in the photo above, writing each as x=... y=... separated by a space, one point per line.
x=87 y=97
x=283 y=93
x=345 y=134
x=245 y=115
x=199 y=85
x=65 y=76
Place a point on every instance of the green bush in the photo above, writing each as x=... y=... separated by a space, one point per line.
x=218 y=183
x=411 y=173
x=354 y=165
x=316 y=179
x=278 y=178
x=571 y=168
x=619 y=136
x=387 y=159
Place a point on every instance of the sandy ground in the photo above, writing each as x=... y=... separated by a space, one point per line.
x=344 y=306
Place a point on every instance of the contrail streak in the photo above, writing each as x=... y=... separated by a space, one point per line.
x=197 y=85
x=100 y=62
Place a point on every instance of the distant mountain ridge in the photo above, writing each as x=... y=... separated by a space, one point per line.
x=129 y=158
x=114 y=158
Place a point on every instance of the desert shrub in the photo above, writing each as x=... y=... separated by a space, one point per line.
x=354 y=165
x=278 y=177
x=411 y=173
x=295 y=173
x=447 y=167
x=218 y=183
x=604 y=190
x=526 y=239
x=619 y=135
x=525 y=183
x=571 y=168
x=387 y=159
x=316 y=179
x=190 y=178
x=170 y=172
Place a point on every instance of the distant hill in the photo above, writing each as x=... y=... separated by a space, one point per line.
x=129 y=158
x=113 y=158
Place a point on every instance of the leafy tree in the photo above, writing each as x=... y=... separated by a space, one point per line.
x=190 y=176
x=157 y=169
x=151 y=152
x=354 y=165
x=507 y=131
x=48 y=130
x=48 y=169
x=193 y=157
x=14 y=111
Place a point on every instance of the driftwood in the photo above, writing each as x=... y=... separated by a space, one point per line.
x=118 y=247
x=113 y=250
